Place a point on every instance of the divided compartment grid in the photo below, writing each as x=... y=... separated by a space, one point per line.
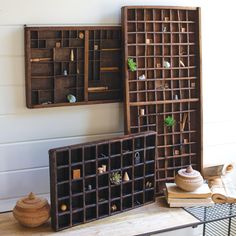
x=92 y=195
x=82 y=61
x=165 y=44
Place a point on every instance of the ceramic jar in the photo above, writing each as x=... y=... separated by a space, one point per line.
x=32 y=211
x=188 y=179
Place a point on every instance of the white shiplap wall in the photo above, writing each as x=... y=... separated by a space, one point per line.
x=26 y=135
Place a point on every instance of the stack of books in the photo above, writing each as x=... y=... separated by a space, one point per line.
x=177 y=197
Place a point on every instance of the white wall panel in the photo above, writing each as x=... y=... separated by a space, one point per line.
x=19 y=183
x=57 y=123
x=25 y=155
x=12 y=71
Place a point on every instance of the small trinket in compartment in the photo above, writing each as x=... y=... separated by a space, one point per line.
x=167 y=18
x=158 y=65
x=176 y=97
x=89 y=187
x=148 y=41
x=183 y=29
x=71 y=98
x=81 y=35
x=76 y=174
x=100 y=170
x=63 y=207
x=185 y=140
x=72 y=57
x=142 y=77
x=193 y=85
x=164 y=29
x=137 y=158
x=142 y=112
x=166 y=86
x=104 y=167
x=95 y=47
x=126 y=177
x=181 y=63
x=58 y=44
x=166 y=64
x=65 y=72
x=114 y=207
x=176 y=152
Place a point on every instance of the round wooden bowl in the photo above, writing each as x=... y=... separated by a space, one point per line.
x=188 y=179
x=32 y=211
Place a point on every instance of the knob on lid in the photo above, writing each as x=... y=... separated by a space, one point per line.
x=189 y=172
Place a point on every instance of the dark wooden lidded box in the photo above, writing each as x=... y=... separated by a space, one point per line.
x=81 y=192
x=82 y=61
x=165 y=44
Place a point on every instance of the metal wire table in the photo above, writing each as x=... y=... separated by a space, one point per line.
x=219 y=220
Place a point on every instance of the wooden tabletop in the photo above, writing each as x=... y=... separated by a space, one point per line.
x=150 y=218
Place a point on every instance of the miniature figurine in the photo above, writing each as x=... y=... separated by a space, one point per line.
x=81 y=35
x=183 y=29
x=100 y=170
x=137 y=158
x=126 y=177
x=114 y=207
x=95 y=47
x=185 y=140
x=71 y=98
x=142 y=112
x=166 y=64
x=176 y=152
x=148 y=41
x=63 y=207
x=142 y=77
x=65 y=72
x=72 y=55
x=89 y=187
x=176 y=97
x=167 y=18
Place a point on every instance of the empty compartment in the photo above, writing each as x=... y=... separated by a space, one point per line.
x=127 y=188
x=138 y=199
x=115 y=191
x=64 y=221
x=90 y=153
x=63 y=190
x=62 y=158
x=127 y=145
x=139 y=171
x=78 y=217
x=63 y=174
x=127 y=203
x=103 y=210
x=77 y=202
x=149 y=196
x=115 y=162
x=139 y=143
x=90 y=168
x=77 y=187
x=138 y=185
x=127 y=160
x=76 y=155
x=151 y=140
x=150 y=154
x=91 y=213
x=90 y=198
x=149 y=168
x=103 y=150
x=103 y=181
x=103 y=195
x=115 y=148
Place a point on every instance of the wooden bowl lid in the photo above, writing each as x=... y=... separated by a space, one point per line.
x=31 y=202
x=189 y=172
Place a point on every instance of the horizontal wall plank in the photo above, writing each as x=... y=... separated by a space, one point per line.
x=12 y=39
x=61 y=122
x=20 y=183
x=74 y=12
x=12 y=70
x=26 y=155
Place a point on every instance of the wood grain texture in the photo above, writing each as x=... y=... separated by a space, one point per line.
x=150 y=218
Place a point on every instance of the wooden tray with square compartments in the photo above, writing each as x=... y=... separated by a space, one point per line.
x=80 y=178
x=165 y=86
x=84 y=62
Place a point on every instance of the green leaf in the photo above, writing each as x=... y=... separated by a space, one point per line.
x=169 y=121
x=132 y=65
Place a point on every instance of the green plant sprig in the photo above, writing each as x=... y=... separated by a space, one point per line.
x=169 y=121
x=132 y=65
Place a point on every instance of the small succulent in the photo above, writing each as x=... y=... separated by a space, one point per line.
x=132 y=65
x=71 y=98
x=115 y=178
x=169 y=121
